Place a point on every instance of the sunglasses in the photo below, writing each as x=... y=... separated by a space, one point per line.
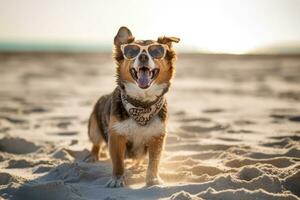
x=131 y=51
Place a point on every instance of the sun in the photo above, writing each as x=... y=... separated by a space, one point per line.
x=203 y=26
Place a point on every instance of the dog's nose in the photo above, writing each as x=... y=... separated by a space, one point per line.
x=143 y=58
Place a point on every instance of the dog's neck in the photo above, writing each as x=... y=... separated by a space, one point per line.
x=144 y=96
x=141 y=112
x=139 y=103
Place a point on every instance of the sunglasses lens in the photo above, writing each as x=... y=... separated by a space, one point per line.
x=156 y=51
x=131 y=51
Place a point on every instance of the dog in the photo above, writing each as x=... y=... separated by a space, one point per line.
x=132 y=119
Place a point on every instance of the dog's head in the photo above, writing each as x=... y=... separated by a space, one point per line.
x=145 y=67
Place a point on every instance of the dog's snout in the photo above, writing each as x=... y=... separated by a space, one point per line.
x=143 y=58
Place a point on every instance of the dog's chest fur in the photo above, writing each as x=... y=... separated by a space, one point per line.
x=138 y=133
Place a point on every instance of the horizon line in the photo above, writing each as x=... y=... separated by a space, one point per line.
x=105 y=47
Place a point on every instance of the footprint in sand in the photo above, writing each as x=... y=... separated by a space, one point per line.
x=292 y=137
x=202 y=169
x=64 y=124
x=24 y=163
x=6 y=179
x=248 y=173
x=278 y=116
x=294 y=118
x=228 y=139
x=195 y=119
x=42 y=169
x=282 y=143
x=35 y=109
x=180 y=113
x=14 y=120
x=240 y=131
x=17 y=145
x=4 y=129
x=292 y=183
x=202 y=129
x=64 y=133
x=292 y=152
x=243 y=122
x=213 y=110
x=277 y=162
x=7 y=109
x=59 y=118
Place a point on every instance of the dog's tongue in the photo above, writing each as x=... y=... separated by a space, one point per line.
x=144 y=77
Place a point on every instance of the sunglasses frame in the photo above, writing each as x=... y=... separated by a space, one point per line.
x=143 y=47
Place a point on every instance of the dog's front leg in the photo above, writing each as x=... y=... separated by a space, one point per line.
x=117 y=147
x=155 y=147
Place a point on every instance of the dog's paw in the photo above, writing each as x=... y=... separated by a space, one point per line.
x=116 y=182
x=154 y=181
x=91 y=158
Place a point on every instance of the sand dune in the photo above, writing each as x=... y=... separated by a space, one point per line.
x=234 y=129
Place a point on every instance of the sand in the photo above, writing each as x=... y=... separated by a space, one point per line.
x=234 y=129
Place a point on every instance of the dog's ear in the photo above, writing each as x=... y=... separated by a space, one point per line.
x=123 y=36
x=168 y=40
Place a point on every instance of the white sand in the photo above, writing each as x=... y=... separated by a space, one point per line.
x=234 y=129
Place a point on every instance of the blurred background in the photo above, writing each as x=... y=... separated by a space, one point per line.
x=205 y=26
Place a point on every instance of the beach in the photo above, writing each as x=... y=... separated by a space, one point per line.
x=233 y=131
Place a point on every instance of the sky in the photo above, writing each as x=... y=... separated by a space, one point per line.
x=222 y=26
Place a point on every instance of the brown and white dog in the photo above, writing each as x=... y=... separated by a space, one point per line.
x=132 y=119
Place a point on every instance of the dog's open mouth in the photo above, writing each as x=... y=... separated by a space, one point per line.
x=144 y=76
